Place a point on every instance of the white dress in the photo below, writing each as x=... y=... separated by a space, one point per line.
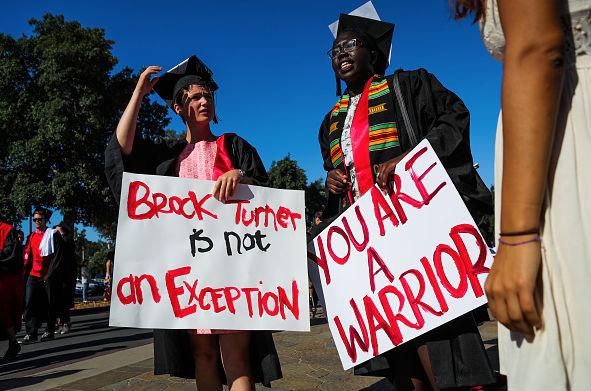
x=559 y=357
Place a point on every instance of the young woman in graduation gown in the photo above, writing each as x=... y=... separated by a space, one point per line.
x=362 y=139
x=228 y=159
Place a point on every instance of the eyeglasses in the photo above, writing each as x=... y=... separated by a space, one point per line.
x=344 y=47
x=38 y=219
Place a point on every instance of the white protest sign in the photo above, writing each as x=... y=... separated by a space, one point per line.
x=393 y=267
x=185 y=260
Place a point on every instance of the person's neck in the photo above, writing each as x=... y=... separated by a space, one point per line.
x=356 y=87
x=198 y=132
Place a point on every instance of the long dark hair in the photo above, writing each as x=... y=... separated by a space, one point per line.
x=463 y=8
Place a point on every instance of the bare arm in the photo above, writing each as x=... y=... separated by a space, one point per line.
x=532 y=80
x=127 y=124
x=108 y=271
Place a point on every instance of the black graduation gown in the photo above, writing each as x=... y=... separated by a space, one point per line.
x=61 y=273
x=456 y=350
x=172 y=351
x=11 y=259
x=11 y=263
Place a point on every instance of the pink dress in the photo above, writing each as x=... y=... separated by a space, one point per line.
x=196 y=161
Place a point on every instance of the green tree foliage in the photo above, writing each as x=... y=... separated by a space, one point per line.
x=95 y=253
x=315 y=199
x=286 y=174
x=60 y=101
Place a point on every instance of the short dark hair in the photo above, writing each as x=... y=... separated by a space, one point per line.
x=43 y=212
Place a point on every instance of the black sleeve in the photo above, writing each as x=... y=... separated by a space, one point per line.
x=143 y=159
x=443 y=119
x=324 y=143
x=245 y=157
x=11 y=254
x=331 y=209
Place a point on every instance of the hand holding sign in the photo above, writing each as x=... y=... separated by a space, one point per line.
x=386 y=169
x=395 y=266
x=186 y=260
x=226 y=184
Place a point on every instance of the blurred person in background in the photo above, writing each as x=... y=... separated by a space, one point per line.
x=109 y=274
x=61 y=277
x=85 y=279
x=35 y=294
x=11 y=287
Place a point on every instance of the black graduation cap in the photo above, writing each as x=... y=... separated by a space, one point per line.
x=381 y=32
x=190 y=71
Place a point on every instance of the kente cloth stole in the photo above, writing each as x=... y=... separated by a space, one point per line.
x=374 y=134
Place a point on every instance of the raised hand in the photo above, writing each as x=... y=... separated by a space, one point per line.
x=146 y=82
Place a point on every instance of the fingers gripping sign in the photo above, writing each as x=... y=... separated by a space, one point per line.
x=226 y=184
x=385 y=171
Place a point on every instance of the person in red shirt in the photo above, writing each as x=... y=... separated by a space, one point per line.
x=11 y=287
x=35 y=293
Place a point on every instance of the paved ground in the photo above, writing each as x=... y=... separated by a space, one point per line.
x=309 y=362
x=90 y=338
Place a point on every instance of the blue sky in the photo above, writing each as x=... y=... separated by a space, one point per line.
x=269 y=59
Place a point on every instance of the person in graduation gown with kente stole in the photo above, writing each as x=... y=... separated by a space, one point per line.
x=188 y=88
x=361 y=140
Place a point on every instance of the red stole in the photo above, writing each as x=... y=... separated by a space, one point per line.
x=360 y=142
x=4 y=230
x=222 y=162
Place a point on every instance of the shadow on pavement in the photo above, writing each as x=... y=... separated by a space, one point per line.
x=40 y=358
x=16 y=367
x=76 y=333
x=382 y=385
x=9 y=384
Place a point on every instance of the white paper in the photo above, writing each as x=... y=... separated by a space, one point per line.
x=271 y=264
x=433 y=222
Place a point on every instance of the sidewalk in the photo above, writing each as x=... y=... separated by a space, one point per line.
x=309 y=362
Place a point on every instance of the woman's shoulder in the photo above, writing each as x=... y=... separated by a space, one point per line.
x=409 y=73
x=236 y=142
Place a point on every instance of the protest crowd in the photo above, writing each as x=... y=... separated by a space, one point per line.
x=394 y=147
x=39 y=275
